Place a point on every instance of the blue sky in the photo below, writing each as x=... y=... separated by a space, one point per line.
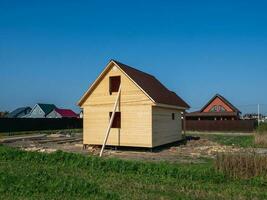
x=50 y=51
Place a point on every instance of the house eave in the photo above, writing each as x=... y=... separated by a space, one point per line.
x=169 y=106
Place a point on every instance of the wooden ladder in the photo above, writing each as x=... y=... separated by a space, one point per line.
x=110 y=122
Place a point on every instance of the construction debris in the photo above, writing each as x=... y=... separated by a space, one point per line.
x=203 y=148
x=46 y=143
x=55 y=135
x=192 y=151
x=60 y=140
x=40 y=149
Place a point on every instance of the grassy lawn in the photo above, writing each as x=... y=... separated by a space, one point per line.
x=31 y=175
x=236 y=140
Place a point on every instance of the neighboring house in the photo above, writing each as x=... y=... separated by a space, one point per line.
x=254 y=116
x=19 y=112
x=41 y=110
x=148 y=115
x=62 y=113
x=218 y=108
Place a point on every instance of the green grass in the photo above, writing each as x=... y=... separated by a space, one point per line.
x=236 y=140
x=262 y=128
x=31 y=175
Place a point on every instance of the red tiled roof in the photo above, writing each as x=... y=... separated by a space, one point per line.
x=66 y=113
x=153 y=87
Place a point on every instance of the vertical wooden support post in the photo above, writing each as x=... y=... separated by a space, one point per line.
x=110 y=122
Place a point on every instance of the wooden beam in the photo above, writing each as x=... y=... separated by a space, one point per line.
x=111 y=122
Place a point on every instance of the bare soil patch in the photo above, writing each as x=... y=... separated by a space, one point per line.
x=195 y=150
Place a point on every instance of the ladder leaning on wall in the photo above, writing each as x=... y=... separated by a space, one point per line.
x=111 y=122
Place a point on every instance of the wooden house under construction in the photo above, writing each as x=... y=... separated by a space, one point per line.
x=127 y=107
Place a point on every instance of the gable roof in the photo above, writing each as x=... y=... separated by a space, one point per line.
x=224 y=100
x=47 y=108
x=66 y=112
x=18 y=111
x=152 y=87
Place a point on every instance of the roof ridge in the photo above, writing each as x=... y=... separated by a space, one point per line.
x=144 y=73
x=118 y=62
x=229 y=103
x=160 y=93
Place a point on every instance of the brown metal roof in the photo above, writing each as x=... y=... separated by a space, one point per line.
x=212 y=114
x=153 y=87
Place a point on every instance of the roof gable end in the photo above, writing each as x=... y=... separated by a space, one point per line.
x=151 y=87
x=224 y=100
x=18 y=111
x=109 y=66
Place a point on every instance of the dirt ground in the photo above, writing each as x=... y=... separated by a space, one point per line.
x=195 y=150
x=220 y=133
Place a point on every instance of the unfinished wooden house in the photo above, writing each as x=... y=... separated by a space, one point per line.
x=146 y=113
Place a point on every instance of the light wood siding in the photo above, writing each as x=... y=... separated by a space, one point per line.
x=165 y=130
x=135 y=108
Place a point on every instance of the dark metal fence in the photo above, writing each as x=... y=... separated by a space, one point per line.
x=28 y=124
x=221 y=126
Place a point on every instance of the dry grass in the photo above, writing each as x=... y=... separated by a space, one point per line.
x=261 y=135
x=241 y=165
x=261 y=139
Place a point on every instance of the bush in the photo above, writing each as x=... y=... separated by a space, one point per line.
x=240 y=165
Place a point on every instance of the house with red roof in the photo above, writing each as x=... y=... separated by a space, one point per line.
x=218 y=108
x=127 y=107
x=62 y=113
